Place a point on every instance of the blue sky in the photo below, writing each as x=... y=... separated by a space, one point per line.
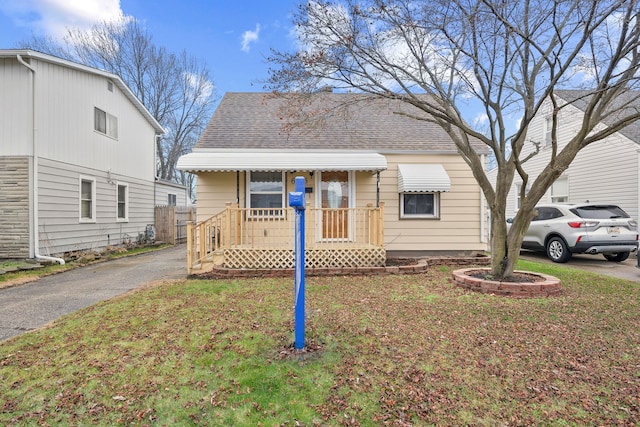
x=232 y=36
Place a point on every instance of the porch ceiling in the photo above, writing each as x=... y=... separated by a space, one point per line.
x=281 y=161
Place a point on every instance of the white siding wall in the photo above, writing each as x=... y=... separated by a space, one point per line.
x=603 y=172
x=59 y=209
x=164 y=189
x=66 y=99
x=15 y=109
x=68 y=146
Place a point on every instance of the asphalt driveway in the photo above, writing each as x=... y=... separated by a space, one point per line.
x=593 y=263
x=32 y=305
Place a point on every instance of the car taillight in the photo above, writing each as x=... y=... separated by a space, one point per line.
x=581 y=224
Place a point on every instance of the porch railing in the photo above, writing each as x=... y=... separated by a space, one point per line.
x=273 y=229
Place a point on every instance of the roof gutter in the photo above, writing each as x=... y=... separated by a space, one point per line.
x=35 y=249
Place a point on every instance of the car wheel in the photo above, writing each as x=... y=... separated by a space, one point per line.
x=557 y=250
x=619 y=257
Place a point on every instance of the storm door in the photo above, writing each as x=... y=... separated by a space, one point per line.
x=335 y=193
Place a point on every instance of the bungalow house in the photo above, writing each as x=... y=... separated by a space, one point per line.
x=607 y=171
x=77 y=158
x=377 y=183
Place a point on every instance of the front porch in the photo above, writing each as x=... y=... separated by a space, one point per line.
x=249 y=238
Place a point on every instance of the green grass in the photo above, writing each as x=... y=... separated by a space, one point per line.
x=387 y=350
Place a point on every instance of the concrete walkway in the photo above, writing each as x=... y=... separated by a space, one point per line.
x=32 y=305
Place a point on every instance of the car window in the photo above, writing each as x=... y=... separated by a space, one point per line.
x=545 y=213
x=600 y=212
x=554 y=213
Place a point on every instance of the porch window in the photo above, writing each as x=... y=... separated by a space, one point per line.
x=419 y=205
x=87 y=199
x=266 y=191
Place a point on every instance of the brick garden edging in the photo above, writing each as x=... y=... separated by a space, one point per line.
x=545 y=287
x=410 y=266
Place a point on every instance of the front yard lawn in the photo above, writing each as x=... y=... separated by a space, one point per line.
x=387 y=350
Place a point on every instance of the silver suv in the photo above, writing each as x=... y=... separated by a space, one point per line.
x=564 y=229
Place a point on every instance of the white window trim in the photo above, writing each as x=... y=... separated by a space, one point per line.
x=248 y=191
x=126 y=201
x=93 y=199
x=548 y=125
x=436 y=207
x=555 y=197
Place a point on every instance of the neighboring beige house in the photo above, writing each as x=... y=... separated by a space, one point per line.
x=607 y=171
x=77 y=158
x=377 y=183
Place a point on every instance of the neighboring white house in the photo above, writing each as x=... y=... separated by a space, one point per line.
x=77 y=157
x=171 y=194
x=607 y=171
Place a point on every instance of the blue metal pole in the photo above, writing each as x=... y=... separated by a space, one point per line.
x=299 y=264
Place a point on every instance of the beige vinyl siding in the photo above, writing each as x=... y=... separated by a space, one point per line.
x=14 y=208
x=60 y=228
x=457 y=229
x=214 y=190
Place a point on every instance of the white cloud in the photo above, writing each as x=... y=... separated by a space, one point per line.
x=481 y=119
x=53 y=17
x=249 y=37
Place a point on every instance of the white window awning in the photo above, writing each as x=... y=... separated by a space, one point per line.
x=422 y=178
x=281 y=161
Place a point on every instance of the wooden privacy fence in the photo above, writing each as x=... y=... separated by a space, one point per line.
x=171 y=223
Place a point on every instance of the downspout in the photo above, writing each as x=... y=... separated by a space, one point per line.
x=34 y=198
x=483 y=210
x=238 y=188
x=377 y=189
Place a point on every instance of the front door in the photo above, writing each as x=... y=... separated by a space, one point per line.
x=335 y=192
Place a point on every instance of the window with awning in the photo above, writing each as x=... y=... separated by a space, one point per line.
x=420 y=186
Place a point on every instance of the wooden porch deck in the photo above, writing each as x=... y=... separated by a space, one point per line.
x=263 y=238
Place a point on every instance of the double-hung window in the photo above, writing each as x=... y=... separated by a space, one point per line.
x=87 y=199
x=105 y=123
x=123 y=202
x=266 y=192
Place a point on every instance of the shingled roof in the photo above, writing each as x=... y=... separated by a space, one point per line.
x=580 y=98
x=249 y=121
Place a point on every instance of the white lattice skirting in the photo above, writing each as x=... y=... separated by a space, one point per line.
x=314 y=258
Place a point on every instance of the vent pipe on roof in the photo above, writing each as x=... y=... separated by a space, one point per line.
x=34 y=179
